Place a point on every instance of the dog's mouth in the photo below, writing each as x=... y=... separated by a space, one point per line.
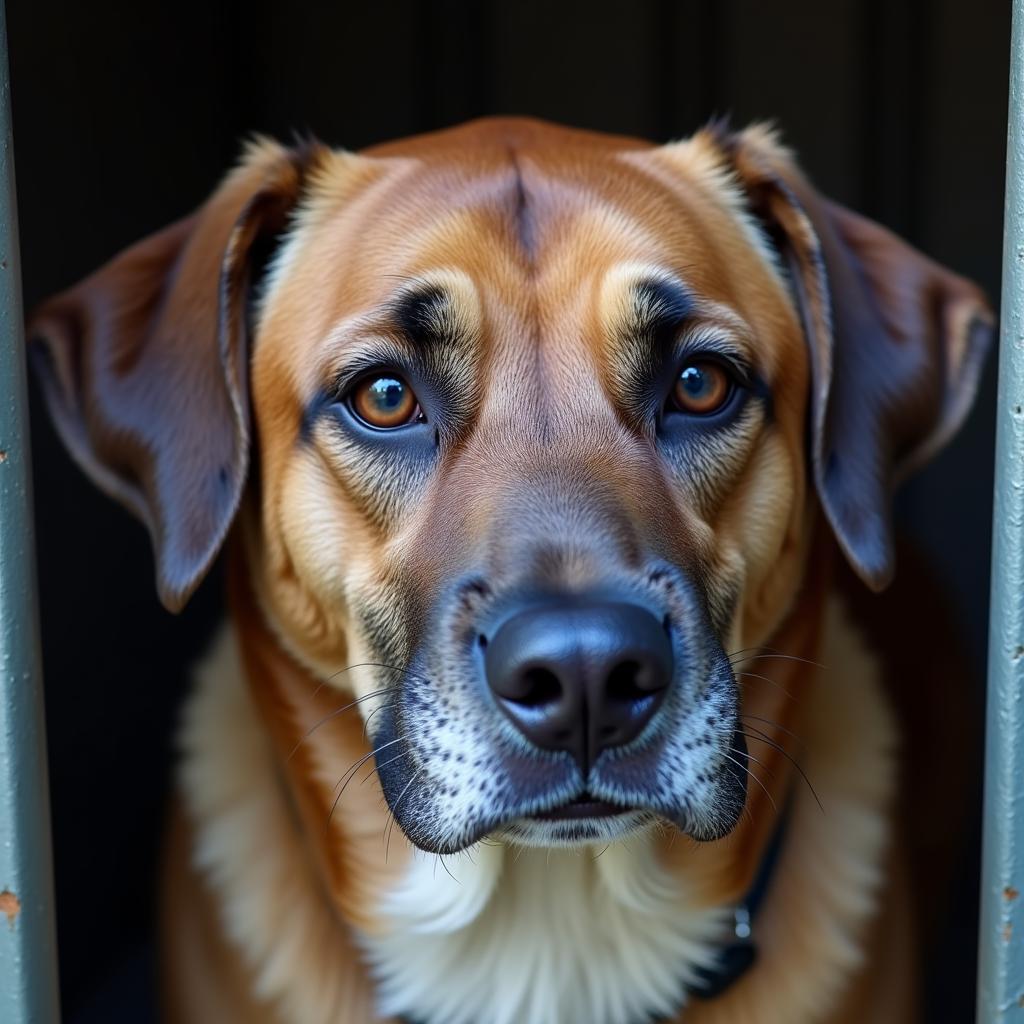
x=584 y=820
x=584 y=806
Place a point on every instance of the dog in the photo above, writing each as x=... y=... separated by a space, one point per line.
x=535 y=453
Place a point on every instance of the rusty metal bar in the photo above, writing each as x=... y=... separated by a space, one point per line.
x=1001 y=935
x=28 y=949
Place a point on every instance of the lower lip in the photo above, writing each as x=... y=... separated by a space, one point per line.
x=580 y=809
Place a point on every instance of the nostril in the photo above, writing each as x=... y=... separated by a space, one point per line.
x=623 y=685
x=632 y=681
x=482 y=642
x=666 y=624
x=541 y=688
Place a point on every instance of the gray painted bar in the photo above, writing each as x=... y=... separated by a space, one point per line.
x=28 y=950
x=1001 y=936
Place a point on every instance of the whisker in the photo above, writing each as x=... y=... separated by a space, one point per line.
x=768 y=721
x=334 y=714
x=739 y=764
x=350 y=774
x=743 y=650
x=381 y=707
x=398 y=803
x=767 y=771
x=763 y=738
x=776 y=655
x=351 y=668
x=778 y=686
x=440 y=857
x=747 y=816
x=390 y=821
x=377 y=767
x=350 y=771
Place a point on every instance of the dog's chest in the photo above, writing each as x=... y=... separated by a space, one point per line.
x=549 y=937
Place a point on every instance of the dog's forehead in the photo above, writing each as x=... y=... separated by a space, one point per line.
x=547 y=234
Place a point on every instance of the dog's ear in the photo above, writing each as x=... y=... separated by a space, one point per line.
x=896 y=342
x=144 y=365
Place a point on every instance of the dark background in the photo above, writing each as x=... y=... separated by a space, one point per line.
x=126 y=114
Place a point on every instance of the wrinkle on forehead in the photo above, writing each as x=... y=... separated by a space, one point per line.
x=523 y=215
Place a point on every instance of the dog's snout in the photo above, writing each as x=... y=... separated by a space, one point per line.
x=580 y=677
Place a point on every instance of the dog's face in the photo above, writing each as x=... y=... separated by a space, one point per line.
x=537 y=452
x=540 y=422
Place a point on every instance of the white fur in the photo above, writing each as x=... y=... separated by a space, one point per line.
x=550 y=937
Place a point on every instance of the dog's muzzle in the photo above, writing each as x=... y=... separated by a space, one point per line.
x=553 y=716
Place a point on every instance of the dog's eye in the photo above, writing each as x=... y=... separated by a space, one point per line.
x=385 y=401
x=702 y=387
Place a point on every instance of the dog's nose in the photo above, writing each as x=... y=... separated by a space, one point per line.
x=580 y=677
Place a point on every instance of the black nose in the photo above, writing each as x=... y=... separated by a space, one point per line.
x=580 y=677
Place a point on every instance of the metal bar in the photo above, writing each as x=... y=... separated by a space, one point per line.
x=28 y=949
x=1001 y=935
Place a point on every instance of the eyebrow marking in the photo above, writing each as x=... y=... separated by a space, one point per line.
x=650 y=318
x=659 y=305
x=424 y=316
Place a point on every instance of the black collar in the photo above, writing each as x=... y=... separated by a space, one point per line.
x=739 y=952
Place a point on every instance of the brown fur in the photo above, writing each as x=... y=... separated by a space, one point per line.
x=538 y=236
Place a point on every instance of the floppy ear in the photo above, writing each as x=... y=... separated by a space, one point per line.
x=144 y=366
x=896 y=341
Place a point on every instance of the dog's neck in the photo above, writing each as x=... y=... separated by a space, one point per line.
x=365 y=887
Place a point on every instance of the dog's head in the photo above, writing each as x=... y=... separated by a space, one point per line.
x=533 y=428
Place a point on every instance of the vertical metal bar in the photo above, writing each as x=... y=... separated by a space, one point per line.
x=1001 y=935
x=28 y=950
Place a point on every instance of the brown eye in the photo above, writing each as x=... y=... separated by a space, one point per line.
x=702 y=388
x=385 y=402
